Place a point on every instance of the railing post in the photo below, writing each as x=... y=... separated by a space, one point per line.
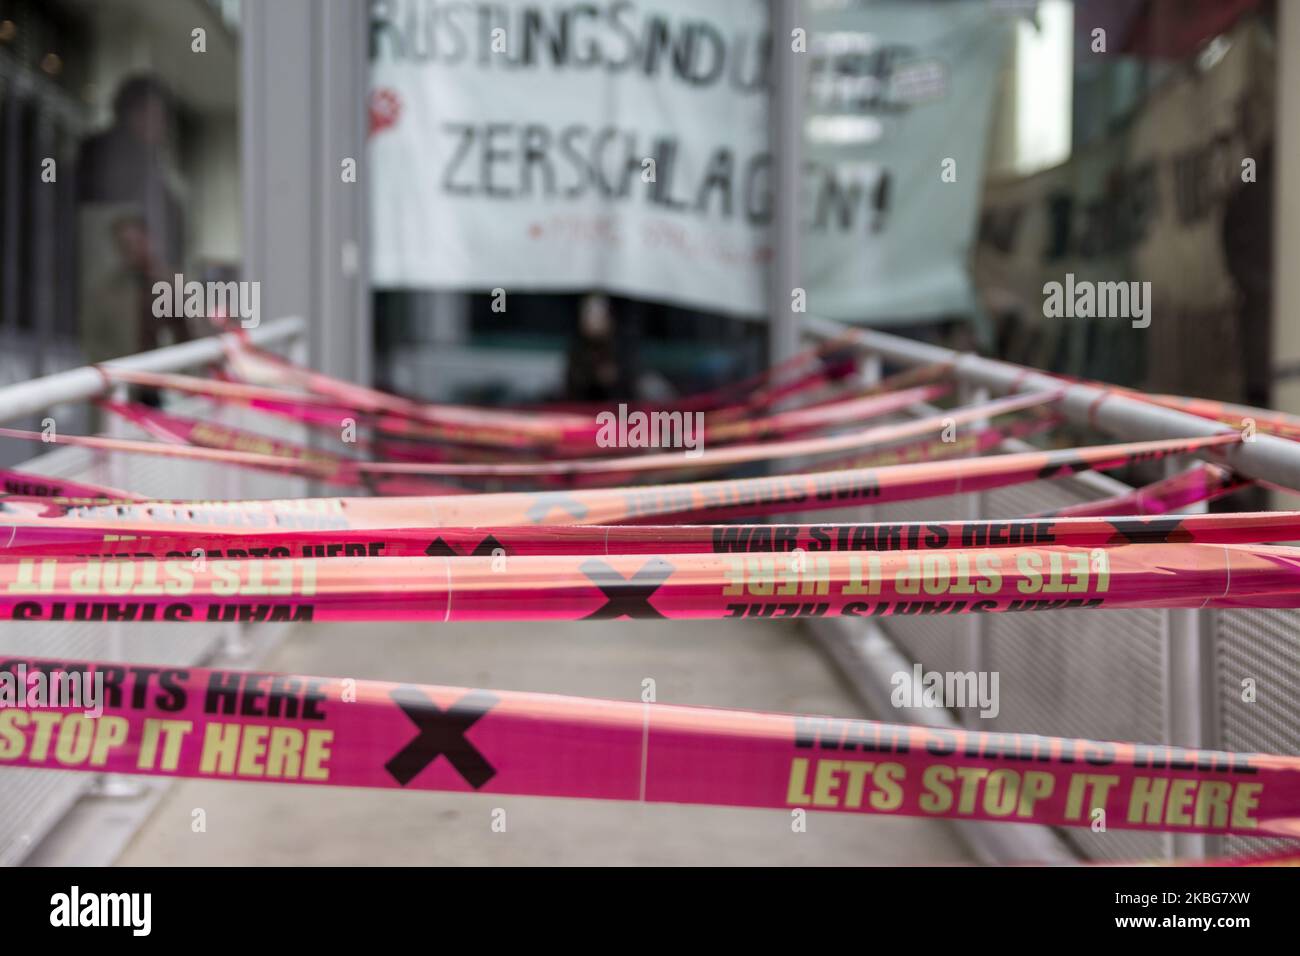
x=870 y=369
x=977 y=625
x=786 y=134
x=116 y=784
x=1189 y=670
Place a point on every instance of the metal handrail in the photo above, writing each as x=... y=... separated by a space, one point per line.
x=86 y=382
x=1264 y=458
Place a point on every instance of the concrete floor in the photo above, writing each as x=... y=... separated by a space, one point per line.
x=744 y=664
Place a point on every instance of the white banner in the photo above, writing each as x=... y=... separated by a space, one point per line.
x=623 y=146
x=900 y=101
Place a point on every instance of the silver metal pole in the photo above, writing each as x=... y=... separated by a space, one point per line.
x=304 y=71
x=977 y=628
x=1189 y=690
x=1265 y=458
x=79 y=384
x=786 y=108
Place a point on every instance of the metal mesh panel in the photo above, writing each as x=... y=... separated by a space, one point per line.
x=1078 y=674
x=32 y=801
x=1260 y=645
x=937 y=643
x=1036 y=496
x=1097 y=674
